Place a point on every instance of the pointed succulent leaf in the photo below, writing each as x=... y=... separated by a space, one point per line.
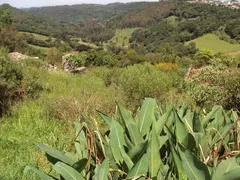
x=131 y=126
x=146 y=115
x=55 y=156
x=210 y=116
x=67 y=172
x=101 y=171
x=139 y=168
x=41 y=174
x=155 y=162
x=194 y=168
x=107 y=119
x=137 y=151
x=80 y=142
x=161 y=121
x=117 y=142
x=226 y=166
x=80 y=165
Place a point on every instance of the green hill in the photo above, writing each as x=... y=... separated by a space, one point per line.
x=212 y=42
x=29 y=22
x=122 y=36
x=81 y=14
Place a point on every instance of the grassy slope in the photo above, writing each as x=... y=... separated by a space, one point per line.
x=92 y=45
x=37 y=36
x=212 y=42
x=49 y=120
x=39 y=47
x=122 y=36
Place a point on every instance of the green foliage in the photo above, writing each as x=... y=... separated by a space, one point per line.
x=213 y=43
x=93 y=58
x=176 y=143
x=10 y=81
x=5 y=18
x=215 y=85
x=144 y=80
x=78 y=60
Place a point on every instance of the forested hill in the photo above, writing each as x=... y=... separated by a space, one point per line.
x=87 y=12
x=160 y=25
x=29 y=22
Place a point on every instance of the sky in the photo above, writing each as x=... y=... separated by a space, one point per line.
x=38 y=3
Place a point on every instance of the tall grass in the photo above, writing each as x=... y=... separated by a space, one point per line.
x=27 y=125
x=48 y=119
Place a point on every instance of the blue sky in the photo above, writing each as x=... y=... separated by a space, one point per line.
x=37 y=3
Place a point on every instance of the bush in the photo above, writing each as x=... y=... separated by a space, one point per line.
x=10 y=81
x=144 y=80
x=215 y=85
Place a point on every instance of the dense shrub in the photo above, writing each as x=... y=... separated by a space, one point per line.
x=10 y=80
x=144 y=80
x=215 y=85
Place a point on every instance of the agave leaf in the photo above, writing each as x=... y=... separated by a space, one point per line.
x=67 y=172
x=210 y=115
x=128 y=142
x=194 y=168
x=176 y=157
x=226 y=166
x=107 y=119
x=101 y=171
x=222 y=133
x=154 y=157
x=197 y=124
x=88 y=122
x=55 y=156
x=80 y=143
x=117 y=143
x=80 y=165
x=232 y=175
x=137 y=151
x=131 y=125
x=38 y=172
x=146 y=115
x=181 y=129
x=162 y=140
x=139 y=168
x=162 y=120
x=182 y=111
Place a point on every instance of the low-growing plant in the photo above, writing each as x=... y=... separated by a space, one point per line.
x=174 y=143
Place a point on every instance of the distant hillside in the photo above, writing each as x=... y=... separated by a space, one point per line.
x=29 y=22
x=212 y=42
x=82 y=14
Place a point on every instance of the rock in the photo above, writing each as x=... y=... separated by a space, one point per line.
x=19 y=56
x=79 y=70
x=51 y=67
x=67 y=66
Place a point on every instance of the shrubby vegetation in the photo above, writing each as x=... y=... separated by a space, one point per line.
x=43 y=105
x=147 y=146
x=216 y=84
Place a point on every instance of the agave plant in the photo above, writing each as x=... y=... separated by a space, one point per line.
x=177 y=144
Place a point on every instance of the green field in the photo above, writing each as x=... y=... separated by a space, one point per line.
x=92 y=45
x=212 y=42
x=39 y=47
x=122 y=36
x=37 y=36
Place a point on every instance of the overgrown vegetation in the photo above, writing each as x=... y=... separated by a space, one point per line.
x=130 y=52
x=147 y=146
